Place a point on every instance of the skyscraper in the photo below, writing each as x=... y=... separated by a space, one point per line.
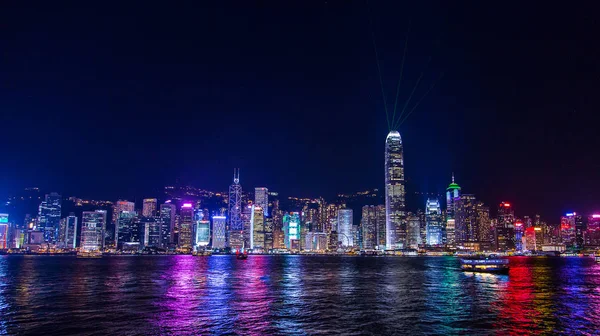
x=344 y=229
x=119 y=207
x=452 y=199
x=219 y=232
x=291 y=229
x=93 y=225
x=235 y=212
x=71 y=231
x=467 y=229
x=434 y=226
x=149 y=207
x=128 y=233
x=49 y=217
x=201 y=234
x=368 y=227
x=167 y=217
x=258 y=228
x=395 y=192
x=150 y=228
x=261 y=198
x=413 y=231
x=567 y=229
x=185 y=226
x=504 y=232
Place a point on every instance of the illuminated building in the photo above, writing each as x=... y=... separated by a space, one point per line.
x=235 y=213
x=316 y=241
x=519 y=231
x=484 y=224
x=368 y=224
x=49 y=217
x=93 y=226
x=127 y=229
x=219 y=232
x=592 y=233
x=533 y=239
x=434 y=222
x=4 y=229
x=119 y=206
x=413 y=231
x=344 y=230
x=261 y=198
x=291 y=228
x=258 y=228
x=579 y=231
x=186 y=224
x=567 y=229
x=71 y=231
x=395 y=192
x=504 y=233
x=467 y=229
x=150 y=227
x=167 y=218
x=452 y=200
x=202 y=234
x=268 y=233
x=149 y=206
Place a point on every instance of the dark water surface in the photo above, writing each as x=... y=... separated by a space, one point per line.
x=295 y=295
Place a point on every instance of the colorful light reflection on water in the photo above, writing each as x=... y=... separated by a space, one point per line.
x=295 y=295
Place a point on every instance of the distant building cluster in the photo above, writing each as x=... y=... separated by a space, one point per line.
x=187 y=220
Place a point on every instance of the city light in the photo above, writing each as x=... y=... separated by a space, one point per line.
x=186 y=205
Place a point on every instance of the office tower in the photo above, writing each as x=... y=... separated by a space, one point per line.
x=49 y=217
x=129 y=236
x=149 y=207
x=268 y=233
x=484 y=223
x=592 y=233
x=567 y=229
x=93 y=225
x=119 y=206
x=71 y=231
x=219 y=232
x=235 y=230
x=413 y=234
x=278 y=230
x=261 y=198
x=291 y=229
x=368 y=223
x=150 y=228
x=423 y=227
x=519 y=234
x=505 y=228
x=380 y=219
x=395 y=192
x=344 y=229
x=452 y=200
x=186 y=224
x=248 y=226
x=201 y=234
x=579 y=231
x=533 y=239
x=4 y=231
x=331 y=217
x=466 y=229
x=434 y=222
x=316 y=241
x=167 y=218
x=258 y=228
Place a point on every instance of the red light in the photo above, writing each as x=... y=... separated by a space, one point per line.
x=519 y=224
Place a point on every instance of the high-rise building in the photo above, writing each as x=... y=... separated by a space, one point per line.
x=49 y=217
x=467 y=228
x=434 y=222
x=316 y=241
x=395 y=192
x=149 y=207
x=380 y=220
x=413 y=234
x=484 y=223
x=261 y=198
x=186 y=225
x=202 y=234
x=219 y=225
x=167 y=218
x=4 y=231
x=452 y=200
x=258 y=228
x=568 y=230
x=344 y=229
x=128 y=231
x=236 y=227
x=592 y=233
x=118 y=207
x=268 y=233
x=505 y=228
x=368 y=223
x=93 y=225
x=291 y=229
x=71 y=231
x=150 y=227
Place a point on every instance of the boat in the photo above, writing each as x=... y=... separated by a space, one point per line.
x=484 y=264
x=202 y=253
x=597 y=258
x=240 y=254
x=89 y=254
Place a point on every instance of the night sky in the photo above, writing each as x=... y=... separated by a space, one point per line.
x=111 y=100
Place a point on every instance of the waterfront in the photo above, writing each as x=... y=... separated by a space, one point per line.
x=294 y=295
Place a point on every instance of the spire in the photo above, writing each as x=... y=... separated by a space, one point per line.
x=452 y=177
x=236 y=175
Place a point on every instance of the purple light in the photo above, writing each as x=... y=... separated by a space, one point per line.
x=595 y=216
x=186 y=205
x=570 y=214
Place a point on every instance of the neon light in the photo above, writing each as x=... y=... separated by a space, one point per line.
x=537 y=229
x=570 y=214
x=595 y=216
x=519 y=224
x=186 y=205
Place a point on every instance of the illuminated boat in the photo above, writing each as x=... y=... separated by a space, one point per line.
x=89 y=254
x=485 y=264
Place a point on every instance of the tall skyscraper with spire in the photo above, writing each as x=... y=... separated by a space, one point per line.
x=452 y=200
x=395 y=192
x=236 y=226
